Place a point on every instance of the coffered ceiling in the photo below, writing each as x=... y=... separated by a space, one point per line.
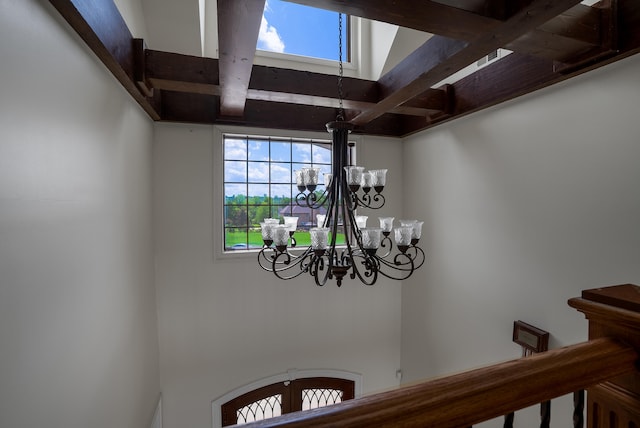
x=551 y=40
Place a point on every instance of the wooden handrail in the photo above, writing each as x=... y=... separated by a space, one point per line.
x=471 y=397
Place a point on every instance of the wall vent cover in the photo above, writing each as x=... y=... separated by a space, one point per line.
x=487 y=59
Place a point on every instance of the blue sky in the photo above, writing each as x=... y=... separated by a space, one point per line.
x=300 y=30
x=251 y=156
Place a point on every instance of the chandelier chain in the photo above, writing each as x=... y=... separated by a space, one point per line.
x=340 y=70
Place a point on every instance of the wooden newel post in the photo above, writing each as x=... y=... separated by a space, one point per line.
x=613 y=312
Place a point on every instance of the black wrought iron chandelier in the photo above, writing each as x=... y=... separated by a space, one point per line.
x=341 y=244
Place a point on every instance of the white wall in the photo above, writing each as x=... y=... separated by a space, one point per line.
x=402 y=44
x=133 y=15
x=525 y=204
x=78 y=337
x=224 y=323
x=173 y=26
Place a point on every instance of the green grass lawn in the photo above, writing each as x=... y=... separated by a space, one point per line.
x=255 y=239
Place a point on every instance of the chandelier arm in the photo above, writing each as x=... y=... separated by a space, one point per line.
x=317 y=266
x=419 y=255
x=350 y=232
x=403 y=269
x=311 y=200
x=364 y=200
x=379 y=197
x=371 y=269
x=278 y=262
x=264 y=260
x=334 y=193
x=352 y=201
x=269 y=258
x=324 y=197
x=374 y=202
x=331 y=219
x=331 y=198
x=268 y=253
x=404 y=263
x=386 y=241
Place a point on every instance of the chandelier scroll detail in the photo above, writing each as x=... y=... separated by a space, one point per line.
x=341 y=244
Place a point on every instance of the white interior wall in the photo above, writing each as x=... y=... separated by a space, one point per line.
x=224 y=323
x=173 y=26
x=133 y=15
x=403 y=43
x=381 y=36
x=525 y=204
x=77 y=304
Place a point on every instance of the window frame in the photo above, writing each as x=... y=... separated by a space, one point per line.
x=291 y=396
x=290 y=375
x=352 y=66
x=218 y=177
x=278 y=186
x=347 y=23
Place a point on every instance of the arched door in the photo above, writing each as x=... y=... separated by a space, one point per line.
x=286 y=397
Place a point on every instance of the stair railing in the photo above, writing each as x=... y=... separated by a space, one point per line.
x=605 y=366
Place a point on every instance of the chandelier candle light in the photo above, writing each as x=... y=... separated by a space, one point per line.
x=367 y=252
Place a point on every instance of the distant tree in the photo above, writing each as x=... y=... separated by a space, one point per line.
x=258 y=214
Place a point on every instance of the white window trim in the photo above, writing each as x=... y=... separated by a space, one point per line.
x=218 y=178
x=352 y=68
x=288 y=376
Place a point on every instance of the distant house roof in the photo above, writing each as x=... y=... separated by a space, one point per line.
x=295 y=209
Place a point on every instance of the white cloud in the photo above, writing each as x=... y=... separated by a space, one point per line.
x=280 y=174
x=321 y=154
x=235 y=149
x=268 y=38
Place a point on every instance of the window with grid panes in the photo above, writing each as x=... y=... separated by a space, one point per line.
x=259 y=182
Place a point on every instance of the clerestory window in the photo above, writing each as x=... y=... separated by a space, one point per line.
x=294 y=29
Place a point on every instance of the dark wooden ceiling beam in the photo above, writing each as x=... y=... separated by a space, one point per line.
x=189 y=107
x=187 y=68
x=580 y=31
x=238 y=27
x=183 y=86
x=494 y=8
x=572 y=30
x=628 y=26
x=429 y=16
x=579 y=22
x=199 y=108
x=187 y=73
x=410 y=78
x=311 y=100
x=188 y=88
x=436 y=102
x=308 y=83
x=419 y=71
x=518 y=74
x=308 y=118
x=100 y=25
